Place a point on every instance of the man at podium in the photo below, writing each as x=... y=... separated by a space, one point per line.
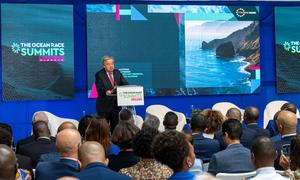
x=107 y=80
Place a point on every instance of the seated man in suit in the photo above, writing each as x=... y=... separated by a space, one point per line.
x=287 y=127
x=263 y=157
x=251 y=115
x=248 y=135
x=43 y=144
x=204 y=147
x=170 y=121
x=39 y=116
x=8 y=163
x=272 y=123
x=235 y=158
x=94 y=163
x=68 y=142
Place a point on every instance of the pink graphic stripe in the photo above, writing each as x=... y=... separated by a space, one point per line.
x=51 y=58
x=94 y=93
x=254 y=67
x=118 y=12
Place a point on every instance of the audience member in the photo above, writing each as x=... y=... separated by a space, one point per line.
x=234 y=113
x=172 y=149
x=99 y=130
x=123 y=136
x=54 y=156
x=42 y=145
x=272 y=127
x=170 y=121
x=125 y=115
x=287 y=125
x=147 y=167
x=151 y=121
x=263 y=157
x=94 y=163
x=204 y=147
x=251 y=115
x=68 y=142
x=292 y=164
x=235 y=158
x=8 y=163
x=24 y=162
x=248 y=135
x=83 y=124
x=214 y=124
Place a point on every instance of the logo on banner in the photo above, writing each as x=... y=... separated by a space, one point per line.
x=240 y=12
x=292 y=46
x=46 y=51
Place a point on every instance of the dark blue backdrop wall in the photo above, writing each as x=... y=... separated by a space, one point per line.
x=19 y=114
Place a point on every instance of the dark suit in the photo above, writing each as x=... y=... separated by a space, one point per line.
x=24 y=162
x=234 y=159
x=55 y=170
x=28 y=140
x=123 y=160
x=278 y=144
x=99 y=171
x=106 y=106
x=259 y=131
x=36 y=148
x=248 y=135
x=204 y=147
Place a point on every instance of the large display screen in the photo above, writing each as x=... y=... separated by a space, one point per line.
x=37 y=52
x=175 y=50
x=287 y=33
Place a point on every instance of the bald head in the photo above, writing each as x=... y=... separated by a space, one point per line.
x=8 y=163
x=234 y=113
x=39 y=116
x=92 y=151
x=66 y=125
x=68 y=142
x=251 y=115
x=286 y=122
x=41 y=129
x=264 y=152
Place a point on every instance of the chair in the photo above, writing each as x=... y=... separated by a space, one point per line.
x=235 y=176
x=138 y=121
x=160 y=112
x=54 y=121
x=223 y=107
x=271 y=109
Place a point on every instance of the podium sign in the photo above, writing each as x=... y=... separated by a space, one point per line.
x=130 y=95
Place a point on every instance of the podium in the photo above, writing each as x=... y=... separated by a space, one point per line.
x=130 y=95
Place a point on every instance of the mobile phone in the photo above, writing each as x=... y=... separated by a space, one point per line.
x=286 y=149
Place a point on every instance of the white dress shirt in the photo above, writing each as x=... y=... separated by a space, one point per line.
x=267 y=173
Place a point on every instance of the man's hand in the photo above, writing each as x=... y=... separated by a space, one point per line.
x=284 y=162
x=108 y=93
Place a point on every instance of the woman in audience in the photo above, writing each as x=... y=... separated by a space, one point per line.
x=173 y=149
x=83 y=124
x=292 y=164
x=98 y=130
x=147 y=167
x=123 y=136
x=215 y=120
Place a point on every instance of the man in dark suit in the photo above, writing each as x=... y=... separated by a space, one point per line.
x=68 y=142
x=107 y=80
x=248 y=135
x=94 y=163
x=235 y=158
x=287 y=127
x=43 y=143
x=204 y=147
x=251 y=115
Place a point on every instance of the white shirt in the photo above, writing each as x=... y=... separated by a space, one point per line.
x=267 y=173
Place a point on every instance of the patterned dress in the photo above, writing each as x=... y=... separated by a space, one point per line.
x=148 y=169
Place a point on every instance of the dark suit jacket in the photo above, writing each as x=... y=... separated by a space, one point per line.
x=36 y=148
x=234 y=159
x=278 y=144
x=28 y=140
x=259 y=131
x=55 y=170
x=123 y=160
x=99 y=171
x=105 y=104
x=248 y=135
x=24 y=162
x=204 y=147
